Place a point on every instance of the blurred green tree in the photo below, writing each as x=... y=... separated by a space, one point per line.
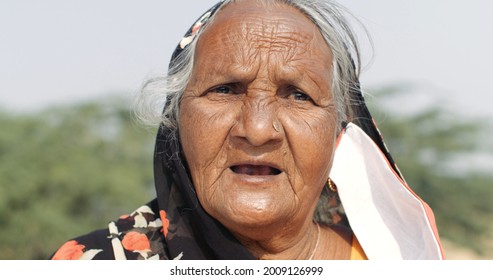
x=66 y=171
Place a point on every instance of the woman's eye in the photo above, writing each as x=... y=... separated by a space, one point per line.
x=301 y=96
x=222 y=89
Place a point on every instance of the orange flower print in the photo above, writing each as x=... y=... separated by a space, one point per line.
x=165 y=221
x=71 y=250
x=134 y=241
x=123 y=217
x=196 y=27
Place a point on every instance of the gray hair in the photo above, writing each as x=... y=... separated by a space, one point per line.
x=328 y=16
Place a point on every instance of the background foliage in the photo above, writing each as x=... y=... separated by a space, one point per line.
x=68 y=170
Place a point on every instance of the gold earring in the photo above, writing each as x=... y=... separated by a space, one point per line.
x=332 y=185
x=274 y=125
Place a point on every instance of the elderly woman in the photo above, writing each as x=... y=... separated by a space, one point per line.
x=263 y=118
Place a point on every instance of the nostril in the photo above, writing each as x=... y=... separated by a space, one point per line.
x=258 y=121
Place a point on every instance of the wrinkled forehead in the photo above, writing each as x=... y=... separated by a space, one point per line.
x=241 y=10
x=272 y=26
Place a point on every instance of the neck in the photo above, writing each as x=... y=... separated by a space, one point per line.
x=286 y=245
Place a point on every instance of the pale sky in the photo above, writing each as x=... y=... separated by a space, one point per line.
x=56 y=51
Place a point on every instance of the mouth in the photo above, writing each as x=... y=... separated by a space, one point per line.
x=255 y=170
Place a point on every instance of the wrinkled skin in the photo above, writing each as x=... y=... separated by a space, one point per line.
x=258 y=125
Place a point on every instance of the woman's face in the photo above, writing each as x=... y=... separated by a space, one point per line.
x=258 y=119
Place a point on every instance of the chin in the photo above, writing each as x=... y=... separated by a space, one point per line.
x=255 y=220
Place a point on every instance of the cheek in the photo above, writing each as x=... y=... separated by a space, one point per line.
x=191 y=128
x=202 y=126
x=312 y=142
x=203 y=134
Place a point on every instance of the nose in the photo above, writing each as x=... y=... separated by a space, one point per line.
x=258 y=121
